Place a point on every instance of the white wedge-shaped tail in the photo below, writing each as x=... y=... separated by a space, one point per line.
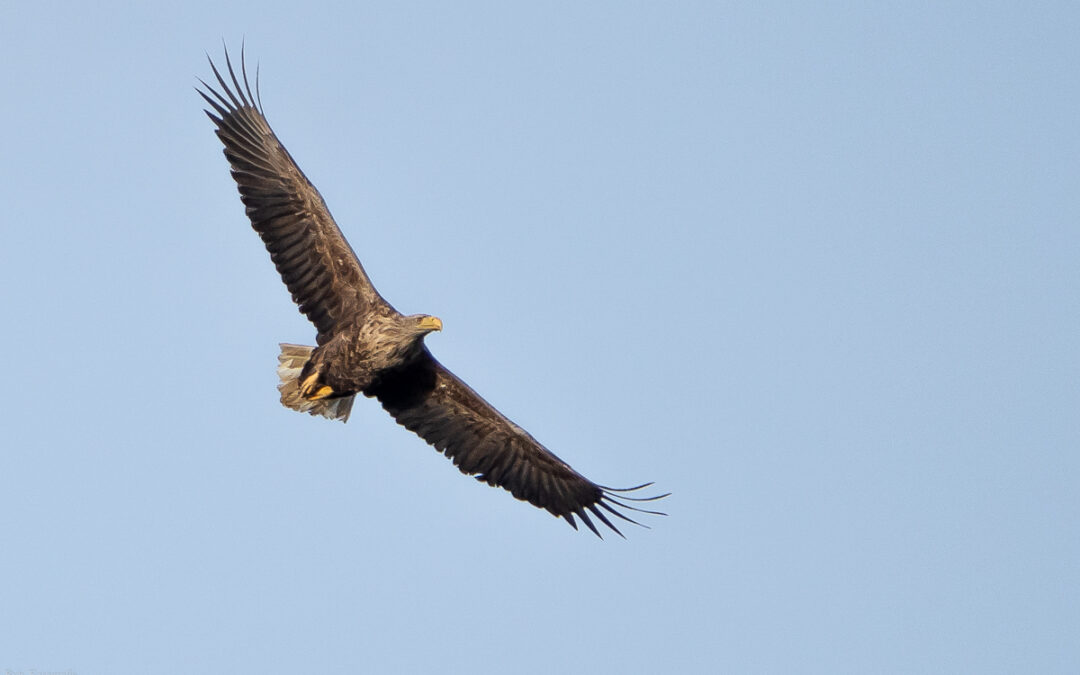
x=290 y=363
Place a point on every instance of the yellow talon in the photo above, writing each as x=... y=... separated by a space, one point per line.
x=321 y=392
x=312 y=391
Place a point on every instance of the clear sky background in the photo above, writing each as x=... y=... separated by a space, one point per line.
x=813 y=270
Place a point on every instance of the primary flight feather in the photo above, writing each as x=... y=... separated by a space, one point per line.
x=364 y=345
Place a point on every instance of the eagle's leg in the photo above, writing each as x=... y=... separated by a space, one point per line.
x=312 y=390
x=303 y=392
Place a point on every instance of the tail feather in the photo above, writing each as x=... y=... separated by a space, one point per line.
x=290 y=362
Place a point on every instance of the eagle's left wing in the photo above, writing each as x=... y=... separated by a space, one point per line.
x=429 y=400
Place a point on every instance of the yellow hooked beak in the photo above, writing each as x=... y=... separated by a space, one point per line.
x=431 y=323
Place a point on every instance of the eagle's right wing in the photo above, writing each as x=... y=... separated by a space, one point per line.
x=318 y=266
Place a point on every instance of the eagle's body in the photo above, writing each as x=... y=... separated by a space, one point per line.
x=365 y=346
x=356 y=355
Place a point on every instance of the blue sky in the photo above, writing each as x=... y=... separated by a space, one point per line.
x=812 y=269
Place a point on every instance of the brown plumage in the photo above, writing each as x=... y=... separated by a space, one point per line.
x=364 y=345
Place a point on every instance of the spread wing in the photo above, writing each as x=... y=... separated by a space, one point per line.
x=315 y=262
x=429 y=400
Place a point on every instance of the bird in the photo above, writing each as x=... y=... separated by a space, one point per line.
x=365 y=346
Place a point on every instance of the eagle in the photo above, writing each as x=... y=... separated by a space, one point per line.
x=365 y=346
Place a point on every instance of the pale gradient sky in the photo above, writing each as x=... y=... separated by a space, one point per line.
x=813 y=270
